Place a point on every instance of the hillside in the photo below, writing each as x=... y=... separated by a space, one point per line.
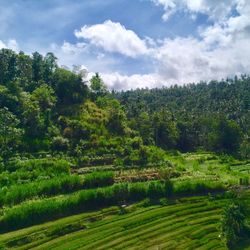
x=199 y=114
x=188 y=223
x=83 y=167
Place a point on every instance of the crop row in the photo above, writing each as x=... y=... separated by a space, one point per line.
x=35 y=212
x=58 y=185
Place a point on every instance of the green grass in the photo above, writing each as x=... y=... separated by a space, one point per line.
x=188 y=223
x=191 y=222
x=39 y=211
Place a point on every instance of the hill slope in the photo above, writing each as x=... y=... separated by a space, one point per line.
x=188 y=223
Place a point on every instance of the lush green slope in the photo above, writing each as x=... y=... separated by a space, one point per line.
x=67 y=147
x=188 y=223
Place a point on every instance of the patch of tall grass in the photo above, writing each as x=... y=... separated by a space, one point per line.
x=58 y=185
x=99 y=179
x=23 y=171
x=36 y=212
x=52 y=165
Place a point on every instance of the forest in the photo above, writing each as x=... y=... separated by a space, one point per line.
x=74 y=155
x=48 y=108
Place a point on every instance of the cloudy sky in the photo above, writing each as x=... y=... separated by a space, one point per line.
x=135 y=43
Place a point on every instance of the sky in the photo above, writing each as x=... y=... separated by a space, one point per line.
x=134 y=43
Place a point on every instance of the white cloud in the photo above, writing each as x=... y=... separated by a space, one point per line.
x=70 y=48
x=232 y=29
x=169 y=7
x=113 y=37
x=11 y=44
x=216 y=10
x=2 y=45
x=221 y=50
x=124 y=82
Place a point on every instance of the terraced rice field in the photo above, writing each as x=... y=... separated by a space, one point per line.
x=190 y=223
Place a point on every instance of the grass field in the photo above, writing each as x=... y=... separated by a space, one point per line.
x=190 y=222
x=187 y=223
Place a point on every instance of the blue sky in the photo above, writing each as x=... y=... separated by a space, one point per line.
x=134 y=43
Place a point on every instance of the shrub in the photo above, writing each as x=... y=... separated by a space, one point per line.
x=232 y=223
x=48 y=165
x=98 y=179
x=197 y=187
x=155 y=190
x=244 y=181
x=60 y=143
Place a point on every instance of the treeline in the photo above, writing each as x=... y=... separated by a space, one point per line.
x=45 y=108
x=211 y=116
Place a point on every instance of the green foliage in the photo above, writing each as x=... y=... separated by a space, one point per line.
x=52 y=109
x=97 y=86
x=98 y=179
x=36 y=212
x=18 y=171
x=212 y=116
x=56 y=166
x=19 y=193
x=197 y=187
x=233 y=223
x=60 y=144
x=166 y=132
x=7 y=66
x=44 y=95
x=69 y=87
x=10 y=134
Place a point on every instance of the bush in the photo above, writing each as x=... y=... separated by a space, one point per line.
x=197 y=187
x=98 y=179
x=20 y=171
x=233 y=223
x=48 y=165
x=244 y=181
x=60 y=143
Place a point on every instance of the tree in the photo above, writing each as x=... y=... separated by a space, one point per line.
x=31 y=116
x=227 y=136
x=10 y=134
x=50 y=65
x=97 y=86
x=117 y=120
x=45 y=96
x=143 y=124
x=233 y=223
x=69 y=87
x=8 y=69
x=8 y=99
x=166 y=132
x=24 y=69
x=37 y=66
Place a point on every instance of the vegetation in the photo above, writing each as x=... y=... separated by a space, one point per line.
x=68 y=147
x=99 y=179
x=233 y=223
x=38 y=211
x=213 y=116
x=186 y=223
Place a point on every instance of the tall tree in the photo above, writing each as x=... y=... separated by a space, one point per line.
x=37 y=66
x=97 y=86
x=166 y=132
x=69 y=87
x=9 y=131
